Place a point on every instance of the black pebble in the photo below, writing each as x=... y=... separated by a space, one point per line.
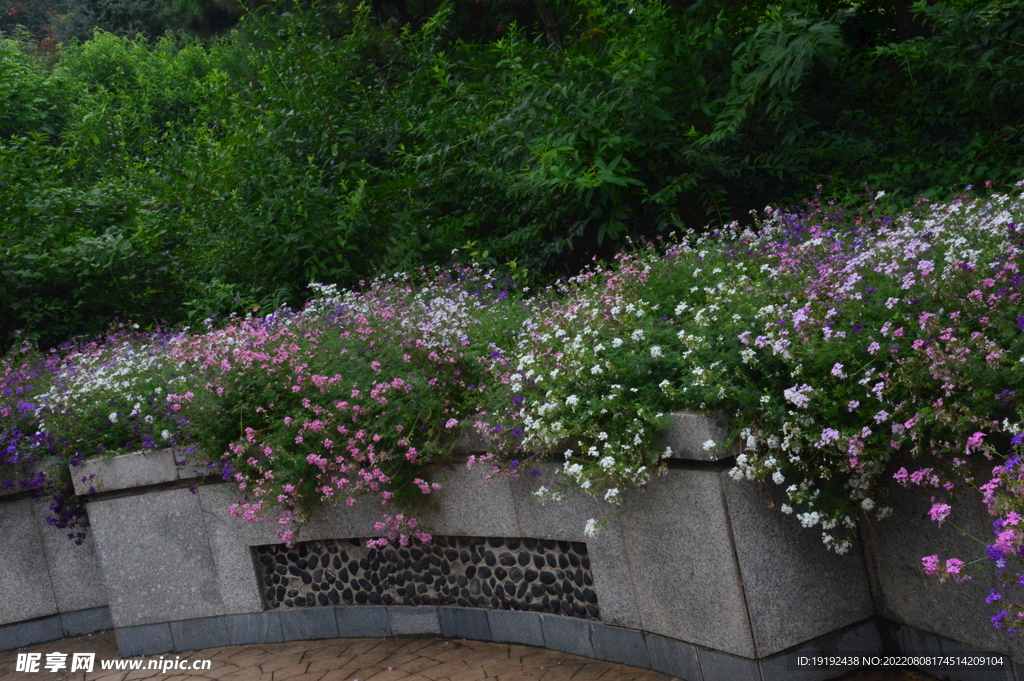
x=484 y=572
x=489 y=558
x=500 y=573
x=530 y=575
x=374 y=598
x=547 y=577
x=538 y=562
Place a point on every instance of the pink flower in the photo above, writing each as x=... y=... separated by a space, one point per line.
x=939 y=511
x=931 y=564
x=973 y=441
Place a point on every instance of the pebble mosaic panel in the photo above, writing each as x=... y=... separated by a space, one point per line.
x=541 y=575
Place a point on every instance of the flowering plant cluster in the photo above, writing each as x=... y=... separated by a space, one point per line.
x=836 y=341
x=848 y=348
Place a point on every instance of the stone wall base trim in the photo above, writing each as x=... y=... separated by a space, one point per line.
x=54 y=628
x=82 y=622
x=685 y=661
x=903 y=639
x=30 y=632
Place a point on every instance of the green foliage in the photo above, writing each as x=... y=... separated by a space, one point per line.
x=332 y=142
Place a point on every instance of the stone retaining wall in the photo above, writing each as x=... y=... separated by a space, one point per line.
x=696 y=576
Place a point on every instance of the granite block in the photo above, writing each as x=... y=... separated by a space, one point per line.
x=467 y=505
x=155 y=556
x=615 y=644
x=468 y=623
x=257 y=627
x=690 y=430
x=567 y=634
x=796 y=589
x=148 y=639
x=471 y=440
x=677 y=533
x=904 y=593
x=716 y=665
x=860 y=639
x=520 y=627
x=83 y=622
x=75 y=570
x=672 y=657
x=412 y=620
x=24 y=575
x=21 y=634
x=363 y=621
x=137 y=469
x=198 y=634
x=566 y=520
x=308 y=623
x=231 y=541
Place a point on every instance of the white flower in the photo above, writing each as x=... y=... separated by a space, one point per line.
x=572 y=400
x=656 y=352
x=611 y=495
x=786 y=508
x=667 y=453
x=166 y=435
x=607 y=462
x=778 y=478
x=591 y=529
x=637 y=335
x=113 y=417
x=596 y=369
x=867 y=504
x=540 y=493
x=809 y=519
x=616 y=342
x=709 y=445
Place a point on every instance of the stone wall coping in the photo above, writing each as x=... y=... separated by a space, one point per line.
x=137 y=469
x=686 y=437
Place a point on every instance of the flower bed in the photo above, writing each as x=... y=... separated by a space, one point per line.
x=848 y=348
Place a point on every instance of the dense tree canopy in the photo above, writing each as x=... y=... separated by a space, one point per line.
x=166 y=176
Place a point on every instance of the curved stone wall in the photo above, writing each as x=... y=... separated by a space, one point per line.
x=696 y=577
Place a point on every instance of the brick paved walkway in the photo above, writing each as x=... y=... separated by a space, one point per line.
x=396 y=659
